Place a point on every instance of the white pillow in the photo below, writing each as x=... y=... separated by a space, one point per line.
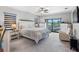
x=25 y=25
x=42 y=25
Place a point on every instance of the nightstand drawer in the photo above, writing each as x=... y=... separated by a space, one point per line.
x=14 y=35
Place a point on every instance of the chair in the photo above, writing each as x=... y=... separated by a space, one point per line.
x=64 y=32
x=64 y=36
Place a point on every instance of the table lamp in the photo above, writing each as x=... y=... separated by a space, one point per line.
x=13 y=27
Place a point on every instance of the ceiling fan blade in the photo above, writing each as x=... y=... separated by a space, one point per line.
x=46 y=11
x=40 y=9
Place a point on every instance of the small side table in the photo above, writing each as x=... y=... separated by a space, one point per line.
x=14 y=35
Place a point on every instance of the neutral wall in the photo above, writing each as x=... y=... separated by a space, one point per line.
x=28 y=16
x=19 y=14
x=76 y=30
x=75 y=16
x=65 y=16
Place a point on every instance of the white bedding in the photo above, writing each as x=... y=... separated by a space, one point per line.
x=35 y=34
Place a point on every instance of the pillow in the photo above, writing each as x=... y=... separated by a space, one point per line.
x=25 y=25
x=43 y=25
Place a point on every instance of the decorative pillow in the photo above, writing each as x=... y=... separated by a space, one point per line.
x=64 y=36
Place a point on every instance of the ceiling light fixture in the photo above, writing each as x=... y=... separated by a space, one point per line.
x=44 y=10
x=41 y=11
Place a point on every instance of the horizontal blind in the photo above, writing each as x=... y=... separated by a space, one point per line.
x=9 y=19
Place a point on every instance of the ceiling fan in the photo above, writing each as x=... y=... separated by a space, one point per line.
x=44 y=10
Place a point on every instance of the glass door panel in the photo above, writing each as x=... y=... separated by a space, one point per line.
x=49 y=23
x=54 y=24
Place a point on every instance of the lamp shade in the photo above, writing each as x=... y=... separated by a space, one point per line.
x=13 y=26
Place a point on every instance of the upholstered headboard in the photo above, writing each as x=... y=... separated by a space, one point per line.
x=26 y=24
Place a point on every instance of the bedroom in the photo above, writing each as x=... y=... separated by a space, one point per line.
x=35 y=28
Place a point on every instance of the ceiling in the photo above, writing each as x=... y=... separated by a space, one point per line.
x=51 y=9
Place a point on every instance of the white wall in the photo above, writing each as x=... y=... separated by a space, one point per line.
x=76 y=30
x=65 y=16
x=20 y=14
x=75 y=16
x=64 y=28
x=29 y=16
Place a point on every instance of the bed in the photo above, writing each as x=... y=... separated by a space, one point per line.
x=35 y=34
x=32 y=32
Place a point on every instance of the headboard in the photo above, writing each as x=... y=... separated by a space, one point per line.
x=25 y=24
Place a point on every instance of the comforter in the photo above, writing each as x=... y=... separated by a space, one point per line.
x=35 y=34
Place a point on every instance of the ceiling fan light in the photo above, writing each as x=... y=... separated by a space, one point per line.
x=66 y=8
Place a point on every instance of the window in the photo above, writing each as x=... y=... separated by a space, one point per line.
x=9 y=19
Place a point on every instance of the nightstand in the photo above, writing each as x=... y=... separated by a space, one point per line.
x=14 y=35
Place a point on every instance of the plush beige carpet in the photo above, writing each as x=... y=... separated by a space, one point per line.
x=51 y=44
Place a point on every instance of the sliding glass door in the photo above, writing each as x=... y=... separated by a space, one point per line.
x=49 y=24
x=54 y=24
